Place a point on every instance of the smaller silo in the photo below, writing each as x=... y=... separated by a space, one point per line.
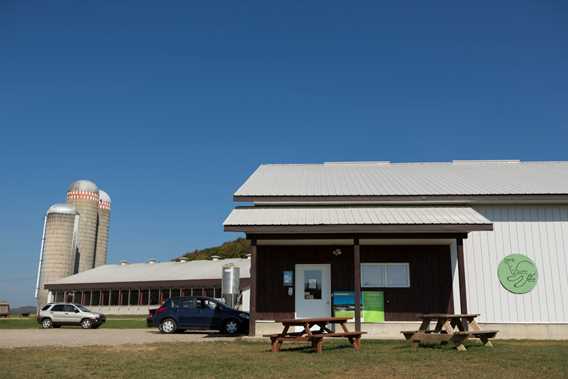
x=101 y=251
x=58 y=246
x=230 y=287
x=84 y=196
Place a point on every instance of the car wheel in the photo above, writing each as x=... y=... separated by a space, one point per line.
x=168 y=326
x=86 y=324
x=46 y=323
x=231 y=326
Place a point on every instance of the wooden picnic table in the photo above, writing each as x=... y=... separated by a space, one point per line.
x=455 y=328
x=317 y=336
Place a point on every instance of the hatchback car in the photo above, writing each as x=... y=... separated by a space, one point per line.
x=56 y=315
x=199 y=313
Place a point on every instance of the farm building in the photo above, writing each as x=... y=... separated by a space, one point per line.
x=384 y=242
x=133 y=288
x=4 y=308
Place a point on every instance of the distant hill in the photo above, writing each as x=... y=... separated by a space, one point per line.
x=238 y=248
x=25 y=309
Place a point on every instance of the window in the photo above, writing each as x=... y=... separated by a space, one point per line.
x=59 y=296
x=58 y=308
x=134 y=294
x=45 y=307
x=209 y=292
x=69 y=308
x=187 y=303
x=104 y=297
x=385 y=275
x=114 y=297
x=154 y=297
x=175 y=292
x=96 y=298
x=164 y=295
x=87 y=300
x=217 y=293
x=312 y=285
x=124 y=297
x=144 y=296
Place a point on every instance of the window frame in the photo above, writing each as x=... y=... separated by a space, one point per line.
x=386 y=278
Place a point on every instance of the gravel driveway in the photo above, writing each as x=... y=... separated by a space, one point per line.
x=112 y=337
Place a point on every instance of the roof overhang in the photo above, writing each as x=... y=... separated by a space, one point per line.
x=353 y=219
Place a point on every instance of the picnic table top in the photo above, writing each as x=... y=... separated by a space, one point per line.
x=302 y=321
x=449 y=315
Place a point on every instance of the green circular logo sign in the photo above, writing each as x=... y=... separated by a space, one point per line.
x=517 y=273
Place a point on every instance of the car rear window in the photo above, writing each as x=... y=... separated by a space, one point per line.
x=46 y=307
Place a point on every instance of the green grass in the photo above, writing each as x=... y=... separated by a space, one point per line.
x=112 y=323
x=392 y=359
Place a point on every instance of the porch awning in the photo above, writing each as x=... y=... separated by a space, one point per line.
x=355 y=219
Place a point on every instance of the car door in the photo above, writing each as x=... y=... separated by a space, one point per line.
x=207 y=315
x=188 y=313
x=58 y=313
x=72 y=314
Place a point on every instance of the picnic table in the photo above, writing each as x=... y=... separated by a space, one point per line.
x=455 y=328
x=317 y=336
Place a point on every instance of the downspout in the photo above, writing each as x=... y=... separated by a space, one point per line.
x=40 y=257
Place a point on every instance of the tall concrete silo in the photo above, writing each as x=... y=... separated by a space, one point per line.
x=58 y=246
x=103 y=229
x=84 y=196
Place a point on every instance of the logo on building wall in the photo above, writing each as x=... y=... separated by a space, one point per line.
x=517 y=273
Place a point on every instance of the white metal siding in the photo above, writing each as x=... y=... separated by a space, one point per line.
x=541 y=233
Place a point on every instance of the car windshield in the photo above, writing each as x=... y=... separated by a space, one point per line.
x=82 y=308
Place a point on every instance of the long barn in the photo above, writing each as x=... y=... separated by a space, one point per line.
x=133 y=288
x=384 y=242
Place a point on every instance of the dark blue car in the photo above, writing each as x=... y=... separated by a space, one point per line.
x=199 y=313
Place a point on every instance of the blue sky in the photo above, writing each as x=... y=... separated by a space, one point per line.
x=170 y=106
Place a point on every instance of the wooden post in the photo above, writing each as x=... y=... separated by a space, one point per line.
x=253 y=281
x=357 y=283
x=461 y=273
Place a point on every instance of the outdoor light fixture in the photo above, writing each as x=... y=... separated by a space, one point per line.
x=337 y=252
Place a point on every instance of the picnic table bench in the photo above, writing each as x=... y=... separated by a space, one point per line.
x=455 y=328
x=316 y=337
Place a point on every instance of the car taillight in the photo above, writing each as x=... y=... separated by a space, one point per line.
x=161 y=310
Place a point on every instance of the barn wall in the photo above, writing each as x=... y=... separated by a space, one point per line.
x=541 y=233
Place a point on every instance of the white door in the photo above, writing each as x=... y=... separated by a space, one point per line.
x=313 y=290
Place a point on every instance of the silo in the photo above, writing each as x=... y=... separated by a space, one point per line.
x=103 y=229
x=84 y=196
x=58 y=247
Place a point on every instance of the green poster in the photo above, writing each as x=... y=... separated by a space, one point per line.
x=373 y=306
x=517 y=273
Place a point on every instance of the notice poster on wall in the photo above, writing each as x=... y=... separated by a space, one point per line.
x=372 y=305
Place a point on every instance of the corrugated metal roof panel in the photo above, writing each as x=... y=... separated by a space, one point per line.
x=157 y=272
x=372 y=179
x=370 y=215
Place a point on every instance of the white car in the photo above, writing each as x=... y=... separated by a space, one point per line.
x=57 y=314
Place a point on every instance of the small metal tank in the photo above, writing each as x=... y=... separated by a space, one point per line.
x=231 y=284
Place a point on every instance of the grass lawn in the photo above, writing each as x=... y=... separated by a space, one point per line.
x=243 y=359
x=111 y=323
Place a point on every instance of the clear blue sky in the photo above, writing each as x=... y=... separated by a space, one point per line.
x=169 y=106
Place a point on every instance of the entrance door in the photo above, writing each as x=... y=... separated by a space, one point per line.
x=313 y=290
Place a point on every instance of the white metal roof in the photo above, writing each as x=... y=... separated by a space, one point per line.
x=391 y=179
x=156 y=272
x=368 y=215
